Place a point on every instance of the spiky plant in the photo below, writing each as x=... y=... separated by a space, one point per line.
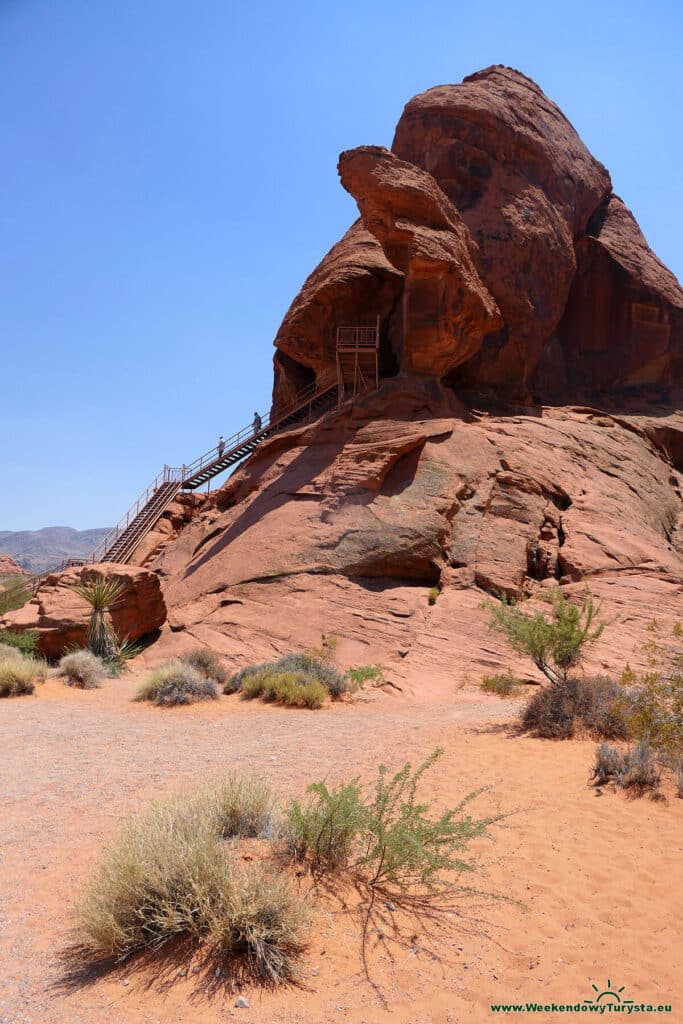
x=101 y=593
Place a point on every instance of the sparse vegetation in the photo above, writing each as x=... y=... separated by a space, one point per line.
x=433 y=595
x=208 y=663
x=176 y=683
x=654 y=704
x=18 y=675
x=362 y=674
x=594 y=705
x=634 y=769
x=15 y=591
x=316 y=677
x=169 y=876
x=101 y=593
x=24 y=642
x=239 y=806
x=503 y=684
x=9 y=652
x=82 y=670
x=555 y=642
x=383 y=837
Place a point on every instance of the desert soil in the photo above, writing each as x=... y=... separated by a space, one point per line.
x=598 y=875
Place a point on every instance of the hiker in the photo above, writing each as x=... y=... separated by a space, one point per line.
x=257 y=424
x=221 y=446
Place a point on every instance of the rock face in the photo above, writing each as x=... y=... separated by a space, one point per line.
x=498 y=233
x=8 y=567
x=447 y=312
x=344 y=526
x=61 y=617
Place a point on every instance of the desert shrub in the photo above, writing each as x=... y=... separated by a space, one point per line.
x=383 y=837
x=293 y=688
x=251 y=681
x=502 y=683
x=654 y=703
x=206 y=662
x=176 y=683
x=15 y=591
x=594 y=705
x=168 y=876
x=17 y=676
x=555 y=642
x=634 y=769
x=358 y=677
x=24 y=642
x=433 y=595
x=82 y=669
x=101 y=593
x=239 y=806
x=11 y=653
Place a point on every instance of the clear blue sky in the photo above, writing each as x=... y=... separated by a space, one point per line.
x=169 y=179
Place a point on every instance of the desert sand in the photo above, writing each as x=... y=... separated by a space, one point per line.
x=597 y=876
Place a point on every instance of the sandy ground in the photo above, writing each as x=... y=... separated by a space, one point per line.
x=599 y=875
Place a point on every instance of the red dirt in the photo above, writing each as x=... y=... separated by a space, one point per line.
x=598 y=874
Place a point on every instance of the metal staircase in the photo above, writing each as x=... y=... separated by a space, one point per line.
x=121 y=542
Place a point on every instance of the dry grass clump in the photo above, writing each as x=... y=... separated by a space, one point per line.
x=634 y=769
x=82 y=669
x=8 y=653
x=208 y=663
x=299 y=680
x=169 y=875
x=295 y=689
x=17 y=675
x=503 y=684
x=176 y=683
x=239 y=806
x=595 y=705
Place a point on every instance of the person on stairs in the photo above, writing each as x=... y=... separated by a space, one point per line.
x=221 y=446
x=257 y=423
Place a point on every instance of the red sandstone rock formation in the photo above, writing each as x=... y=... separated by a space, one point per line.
x=9 y=567
x=585 y=305
x=61 y=617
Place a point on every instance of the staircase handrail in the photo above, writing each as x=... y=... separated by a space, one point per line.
x=168 y=474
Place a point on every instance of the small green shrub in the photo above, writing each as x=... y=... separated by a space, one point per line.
x=384 y=838
x=208 y=663
x=433 y=595
x=503 y=684
x=24 y=642
x=176 y=683
x=593 y=705
x=358 y=677
x=82 y=669
x=168 y=876
x=556 y=642
x=293 y=688
x=17 y=676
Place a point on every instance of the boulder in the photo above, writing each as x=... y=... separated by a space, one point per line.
x=8 y=567
x=447 y=312
x=60 y=616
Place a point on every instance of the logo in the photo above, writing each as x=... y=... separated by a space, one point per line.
x=609 y=995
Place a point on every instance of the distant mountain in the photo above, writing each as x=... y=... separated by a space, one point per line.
x=39 y=550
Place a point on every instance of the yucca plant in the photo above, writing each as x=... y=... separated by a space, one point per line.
x=101 y=593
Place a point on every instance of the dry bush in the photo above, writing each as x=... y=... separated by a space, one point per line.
x=208 y=663
x=634 y=769
x=82 y=670
x=294 y=689
x=503 y=684
x=168 y=875
x=8 y=653
x=17 y=676
x=593 y=705
x=308 y=666
x=176 y=683
x=239 y=806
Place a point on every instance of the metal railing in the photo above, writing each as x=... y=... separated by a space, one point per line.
x=167 y=475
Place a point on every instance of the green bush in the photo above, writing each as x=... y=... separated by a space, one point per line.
x=256 y=680
x=295 y=689
x=358 y=677
x=653 y=704
x=556 y=642
x=594 y=705
x=433 y=595
x=503 y=684
x=24 y=642
x=384 y=837
x=168 y=876
x=82 y=669
x=208 y=663
x=176 y=683
x=17 y=676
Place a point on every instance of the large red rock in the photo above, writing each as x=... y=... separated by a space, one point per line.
x=447 y=311
x=8 y=567
x=60 y=616
x=342 y=527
